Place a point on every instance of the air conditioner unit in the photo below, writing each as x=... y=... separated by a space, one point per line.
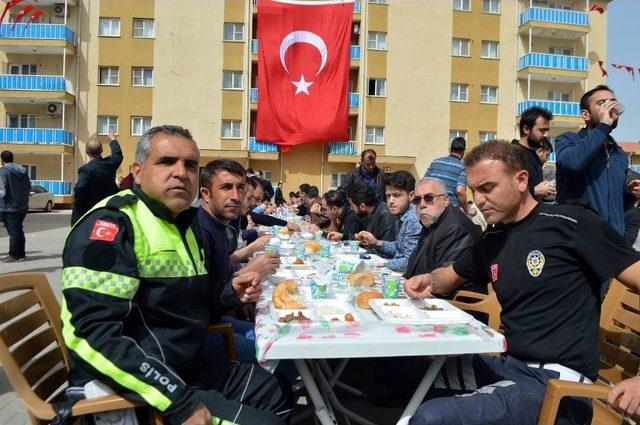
x=58 y=10
x=54 y=109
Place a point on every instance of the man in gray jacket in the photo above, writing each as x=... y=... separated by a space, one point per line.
x=14 y=203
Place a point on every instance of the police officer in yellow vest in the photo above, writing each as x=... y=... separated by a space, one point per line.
x=136 y=299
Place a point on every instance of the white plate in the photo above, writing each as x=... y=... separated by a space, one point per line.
x=277 y=314
x=333 y=310
x=412 y=311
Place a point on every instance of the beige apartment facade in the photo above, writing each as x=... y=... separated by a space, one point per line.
x=421 y=73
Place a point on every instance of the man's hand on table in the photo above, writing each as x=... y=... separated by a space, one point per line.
x=264 y=265
x=368 y=239
x=634 y=188
x=334 y=236
x=247 y=286
x=200 y=416
x=316 y=208
x=259 y=243
x=625 y=397
x=419 y=286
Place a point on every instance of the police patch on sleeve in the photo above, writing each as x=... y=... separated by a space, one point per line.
x=535 y=263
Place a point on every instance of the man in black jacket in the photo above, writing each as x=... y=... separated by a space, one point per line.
x=375 y=215
x=447 y=231
x=337 y=207
x=97 y=178
x=15 y=187
x=367 y=172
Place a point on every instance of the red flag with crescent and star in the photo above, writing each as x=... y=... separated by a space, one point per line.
x=303 y=71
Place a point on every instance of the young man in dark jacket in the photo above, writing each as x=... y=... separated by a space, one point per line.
x=367 y=172
x=15 y=187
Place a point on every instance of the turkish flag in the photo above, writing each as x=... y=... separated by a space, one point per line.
x=303 y=71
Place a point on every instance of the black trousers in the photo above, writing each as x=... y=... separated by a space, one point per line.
x=13 y=222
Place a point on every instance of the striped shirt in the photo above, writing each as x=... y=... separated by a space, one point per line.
x=451 y=171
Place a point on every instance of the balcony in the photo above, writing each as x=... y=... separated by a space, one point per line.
x=35 y=89
x=37 y=39
x=566 y=114
x=253 y=98
x=254 y=46
x=557 y=68
x=343 y=148
x=356 y=7
x=36 y=136
x=554 y=23
x=57 y=187
x=256 y=146
x=354 y=100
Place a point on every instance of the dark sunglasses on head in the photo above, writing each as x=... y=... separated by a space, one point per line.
x=428 y=198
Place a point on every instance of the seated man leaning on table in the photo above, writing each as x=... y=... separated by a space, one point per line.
x=446 y=231
x=347 y=222
x=399 y=188
x=136 y=299
x=374 y=213
x=546 y=263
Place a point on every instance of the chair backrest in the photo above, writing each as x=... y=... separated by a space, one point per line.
x=620 y=333
x=31 y=348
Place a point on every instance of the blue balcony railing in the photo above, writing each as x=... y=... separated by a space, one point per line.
x=556 y=16
x=254 y=46
x=255 y=146
x=354 y=100
x=355 y=53
x=343 y=148
x=356 y=7
x=552 y=157
x=38 y=31
x=557 y=108
x=36 y=136
x=34 y=82
x=57 y=187
x=254 y=95
x=544 y=60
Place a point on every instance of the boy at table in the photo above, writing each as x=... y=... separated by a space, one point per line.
x=546 y=263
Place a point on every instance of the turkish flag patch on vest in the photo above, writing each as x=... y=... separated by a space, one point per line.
x=104 y=231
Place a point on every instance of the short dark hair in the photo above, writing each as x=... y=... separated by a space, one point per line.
x=314 y=192
x=530 y=115
x=335 y=198
x=293 y=194
x=218 y=165
x=546 y=145
x=402 y=180
x=367 y=152
x=6 y=156
x=458 y=145
x=584 y=100
x=143 y=148
x=361 y=193
x=255 y=182
x=499 y=150
x=304 y=188
x=250 y=171
x=94 y=149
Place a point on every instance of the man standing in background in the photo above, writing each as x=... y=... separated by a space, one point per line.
x=15 y=187
x=450 y=170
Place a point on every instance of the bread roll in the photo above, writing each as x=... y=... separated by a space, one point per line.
x=363 y=298
x=312 y=246
x=363 y=279
x=286 y=294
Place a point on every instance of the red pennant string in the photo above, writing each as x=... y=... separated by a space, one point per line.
x=8 y=6
x=28 y=8
x=631 y=71
x=604 y=71
x=35 y=15
x=617 y=66
x=597 y=8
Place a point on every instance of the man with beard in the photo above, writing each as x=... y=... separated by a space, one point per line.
x=591 y=167
x=373 y=213
x=368 y=173
x=535 y=124
x=337 y=207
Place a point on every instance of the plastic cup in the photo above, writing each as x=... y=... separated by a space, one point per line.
x=301 y=251
x=325 y=250
x=390 y=287
x=354 y=246
x=318 y=289
x=270 y=249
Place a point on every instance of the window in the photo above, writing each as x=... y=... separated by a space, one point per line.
x=379 y=1
x=143 y=28
x=233 y=32
x=33 y=175
x=377 y=87
x=460 y=47
x=109 y=75
x=490 y=49
x=107 y=124
x=377 y=40
x=139 y=125
x=491 y=6
x=142 y=77
x=561 y=6
x=231 y=129
x=109 y=27
x=459 y=92
x=375 y=136
x=28 y=69
x=457 y=133
x=21 y=121
x=488 y=94
x=566 y=51
x=231 y=79
x=485 y=136
x=559 y=96
x=267 y=175
x=336 y=180
x=464 y=5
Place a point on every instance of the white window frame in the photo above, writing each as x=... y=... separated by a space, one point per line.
x=111 y=124
x=460 y=90
x=374 y=135
x=28 y=119
x=493 y=7
x=485 y=136
x=113 y=32
x=33 y=171
x=458 y=5
x=234 y=31
x=562 y=51
x=379 y=1
x=485 y=92
x=146 y=22
x=110 y=70
x=337 y=178
x=377 y=40
x=459 y=44
x=31 y=68
x=236 y=80
x=457 y=133
x=558 y=96
x=141 y=122
x=380 y=87
x=267 y=175
x=141 y=70
x=560 y=6
x=235 y=126
x=490 y=45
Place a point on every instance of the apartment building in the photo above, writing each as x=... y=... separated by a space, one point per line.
x=421 y=73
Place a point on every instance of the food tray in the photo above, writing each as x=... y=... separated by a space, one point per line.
x=412 y=311
x=334 y=310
